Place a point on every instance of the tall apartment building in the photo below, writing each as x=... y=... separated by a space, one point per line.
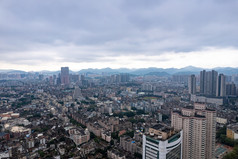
x=230 y=89
x=208 y=82
x=64 y=76
x=221 y=86
x=192 y=84
x=199 y=130
x=162 y=142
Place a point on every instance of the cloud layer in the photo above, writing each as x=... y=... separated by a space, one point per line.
x=85 y=33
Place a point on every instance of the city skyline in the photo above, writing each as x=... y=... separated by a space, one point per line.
x=39 y=36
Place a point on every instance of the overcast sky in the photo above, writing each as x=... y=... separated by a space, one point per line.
x=47 y=34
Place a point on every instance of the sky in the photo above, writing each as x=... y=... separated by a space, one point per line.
x=40 y=35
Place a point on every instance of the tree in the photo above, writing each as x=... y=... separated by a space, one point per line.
x=111 y=142
x=115 y=135
x=233 y=154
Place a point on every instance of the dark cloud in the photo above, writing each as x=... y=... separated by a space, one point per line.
x=87 y=31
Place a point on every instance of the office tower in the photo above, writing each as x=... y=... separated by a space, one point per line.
x=208 y=82
x=64 y=75
x=230 y=89
x=162 y=142
x=199 y=130
x=221 y=86
x=192 y=84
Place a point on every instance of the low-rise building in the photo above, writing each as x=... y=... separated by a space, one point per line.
x=221 y=120
x=130 y=145
x=79 y=136
x=232 y=131
x=115 y=154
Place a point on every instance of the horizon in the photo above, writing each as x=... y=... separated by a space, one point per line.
x=131 y=69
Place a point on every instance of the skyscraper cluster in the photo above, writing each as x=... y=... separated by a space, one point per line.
x=211 y=84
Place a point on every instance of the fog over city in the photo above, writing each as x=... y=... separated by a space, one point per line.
x=45 y=35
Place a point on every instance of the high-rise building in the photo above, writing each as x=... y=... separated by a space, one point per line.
x=192 y=84
x=221 y=86
x=230 y=89
x=208 y=82
x=162 y=142
x=199 y=131
x=64 y=75
x=41 y=77
x=125 y=77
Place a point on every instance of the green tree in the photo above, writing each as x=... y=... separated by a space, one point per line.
x=233 y=154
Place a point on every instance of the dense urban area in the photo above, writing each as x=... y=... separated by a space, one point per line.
x=67 y=114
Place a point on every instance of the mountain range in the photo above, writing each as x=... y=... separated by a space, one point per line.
x=141 y=71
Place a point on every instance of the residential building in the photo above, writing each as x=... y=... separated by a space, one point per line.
x=221 y=86
x=79 y=136
x=199 y=130
x=130 y=145
x=232 y=131
x=208 y=82
x=231 y=89
x=192 y=84
x=115 y=154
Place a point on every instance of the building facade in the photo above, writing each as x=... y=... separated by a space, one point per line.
x=192 y=84
x=231 y=89
x=199 y=131
x=64 y=76
x=221 y=86
x=208 y=82
x=163 y=144
x=232 y=131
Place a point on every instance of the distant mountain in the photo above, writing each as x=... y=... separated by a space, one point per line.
x=141 y=71
x=12 y=71
x=163 y=74
x=106 y=70
x=227 y=70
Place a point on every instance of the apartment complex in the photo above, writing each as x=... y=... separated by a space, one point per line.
x=199 y=130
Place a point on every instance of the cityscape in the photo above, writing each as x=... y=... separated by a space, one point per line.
x=121 y=79
x=118 y=115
